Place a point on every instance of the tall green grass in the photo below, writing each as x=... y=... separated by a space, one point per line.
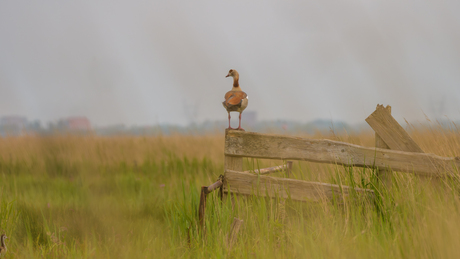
x=137 y=197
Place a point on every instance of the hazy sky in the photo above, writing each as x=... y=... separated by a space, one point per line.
x=148 y=62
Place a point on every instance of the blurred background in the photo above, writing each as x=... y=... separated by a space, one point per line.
x=159 y=66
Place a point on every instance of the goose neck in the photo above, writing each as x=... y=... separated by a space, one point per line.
x=236 y=79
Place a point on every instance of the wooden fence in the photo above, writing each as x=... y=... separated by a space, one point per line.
x=395 y=150
x=244 y=144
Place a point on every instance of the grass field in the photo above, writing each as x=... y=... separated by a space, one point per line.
x=137 y=197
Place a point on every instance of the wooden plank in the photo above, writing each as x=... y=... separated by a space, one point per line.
x=286 y=168
x=385 y=175
x=213 y=186
x=389 y=130
x=231 y=163
x=248 y=184
x=269 y=170
x=379 y=142
x=289 y=168
x=256 y=145
x=205 y=190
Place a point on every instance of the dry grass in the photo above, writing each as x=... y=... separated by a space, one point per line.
x=110 y=150
x=134 y=197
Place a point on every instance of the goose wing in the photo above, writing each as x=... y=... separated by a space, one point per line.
x=234 y=99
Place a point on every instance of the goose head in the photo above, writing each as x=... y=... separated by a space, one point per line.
x=233 y=73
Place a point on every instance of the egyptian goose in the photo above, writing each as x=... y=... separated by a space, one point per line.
x=235 y=100
x=3 y=245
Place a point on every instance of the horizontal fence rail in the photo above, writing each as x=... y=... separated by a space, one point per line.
x=249 y=184
x=266 y=146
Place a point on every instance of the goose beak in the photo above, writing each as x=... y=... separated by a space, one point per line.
x=227 y=75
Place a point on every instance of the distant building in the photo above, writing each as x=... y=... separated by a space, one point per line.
x=13 y=125
x=76 y=124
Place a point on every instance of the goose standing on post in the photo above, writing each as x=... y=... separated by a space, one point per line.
x=235 y=100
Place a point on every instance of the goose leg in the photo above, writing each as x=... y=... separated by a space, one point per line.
x=239 y=125
x=229 y=127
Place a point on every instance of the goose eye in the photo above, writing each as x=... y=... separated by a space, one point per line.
x=231 y=70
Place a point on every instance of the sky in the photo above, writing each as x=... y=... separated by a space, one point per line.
x=159 y=62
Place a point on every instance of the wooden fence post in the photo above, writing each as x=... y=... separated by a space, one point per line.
x=384 y=174
x=202 y=206
x=389 y=135
x=389 y=130
x=205 y=190
x=231 y=163
x=289 y=169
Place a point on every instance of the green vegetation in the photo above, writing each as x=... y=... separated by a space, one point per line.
x=137 y=197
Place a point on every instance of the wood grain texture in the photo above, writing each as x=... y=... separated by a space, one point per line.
x=256 y=145
x=289 y=169
x=266 y=186
x=385 y=175
x=231 y=163
x=379 y=143
x=389 y=130
x=269 y=170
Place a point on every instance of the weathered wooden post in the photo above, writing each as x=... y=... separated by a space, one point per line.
x=205 y=190
x=384 y=174
x=289 y=169
x=231 y=162
x=389 y=135
x=202 y=206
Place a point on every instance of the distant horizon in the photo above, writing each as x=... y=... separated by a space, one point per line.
x=142 y=62
x=318 y=121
